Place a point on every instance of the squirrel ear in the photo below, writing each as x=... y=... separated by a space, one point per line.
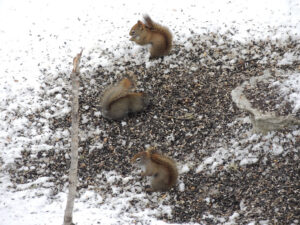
x=140 y=24
x=150 y=149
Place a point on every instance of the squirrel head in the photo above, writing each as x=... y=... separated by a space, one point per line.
x=127 y=83
x=136 y=30
x=141 y=158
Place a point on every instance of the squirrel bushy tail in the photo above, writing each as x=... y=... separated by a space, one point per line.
x=119 y=100
x=116 y=92
x=166 y=162
x=169 y=164
x=160 y=29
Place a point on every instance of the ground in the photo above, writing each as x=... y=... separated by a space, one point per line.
x=229 y=174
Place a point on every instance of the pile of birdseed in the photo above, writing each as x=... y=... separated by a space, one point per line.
x=190 y=118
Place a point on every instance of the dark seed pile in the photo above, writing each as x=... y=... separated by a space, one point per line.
x=261 y=191
x=268 y=98
x=187 y=119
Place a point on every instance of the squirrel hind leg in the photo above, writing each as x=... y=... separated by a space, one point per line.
x=159 y=183
x=157 y=52
x=159 y=46
x=138 y=102
x=118 y=110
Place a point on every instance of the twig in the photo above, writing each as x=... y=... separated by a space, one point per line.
x=68 y=217
x=187 y=116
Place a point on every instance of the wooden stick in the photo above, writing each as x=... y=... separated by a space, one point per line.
x=68 y=217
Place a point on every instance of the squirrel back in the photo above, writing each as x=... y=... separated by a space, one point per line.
x=114 y=92
x=169 y=164
x=152 y=33
x=160 y=29
x=119 y=100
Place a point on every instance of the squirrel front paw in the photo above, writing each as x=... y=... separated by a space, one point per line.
x=149 y=190
x=143 y=174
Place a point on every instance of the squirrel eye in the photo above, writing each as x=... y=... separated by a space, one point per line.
x=138 y=159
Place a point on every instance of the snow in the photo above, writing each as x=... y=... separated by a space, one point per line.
x=288 y=58
x=181 y=187
x=184 y=169
x=90 y=207
x=41 y=34
x=290 y=88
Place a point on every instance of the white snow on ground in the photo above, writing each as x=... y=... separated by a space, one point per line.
x=90 y=207
x=47 y=34
x=237 y=153
x=290 y=88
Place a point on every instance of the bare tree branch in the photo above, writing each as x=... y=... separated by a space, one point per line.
x=68 y=218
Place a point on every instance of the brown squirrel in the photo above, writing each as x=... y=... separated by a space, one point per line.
x=152 y=33
x=162 y=169
x=119 y=100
